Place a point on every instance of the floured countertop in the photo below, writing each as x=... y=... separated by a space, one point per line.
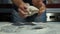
x=39 y=28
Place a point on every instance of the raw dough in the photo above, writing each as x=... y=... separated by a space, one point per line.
x=31 y=10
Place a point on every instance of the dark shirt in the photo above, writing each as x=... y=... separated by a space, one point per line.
x=28 y=1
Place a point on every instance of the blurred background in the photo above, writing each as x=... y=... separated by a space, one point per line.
x=5 y=10
x=53 y=10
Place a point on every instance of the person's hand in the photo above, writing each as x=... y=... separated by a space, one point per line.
x=40 y=5
x=23 y=10
x=41 y=9
x=37 y=3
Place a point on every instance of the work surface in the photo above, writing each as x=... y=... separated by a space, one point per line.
x=39 y=28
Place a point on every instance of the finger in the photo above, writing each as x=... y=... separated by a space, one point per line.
x=23 y=8
x=22 y=12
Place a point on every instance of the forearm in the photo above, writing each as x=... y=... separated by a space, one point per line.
x=17 y=2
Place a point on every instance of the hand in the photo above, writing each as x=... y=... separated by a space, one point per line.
x=42 y=9
x=23 y=10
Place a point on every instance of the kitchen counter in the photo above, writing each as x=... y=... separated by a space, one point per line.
x=39 y=28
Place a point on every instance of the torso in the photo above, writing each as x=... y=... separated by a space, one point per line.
x=28 y=1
